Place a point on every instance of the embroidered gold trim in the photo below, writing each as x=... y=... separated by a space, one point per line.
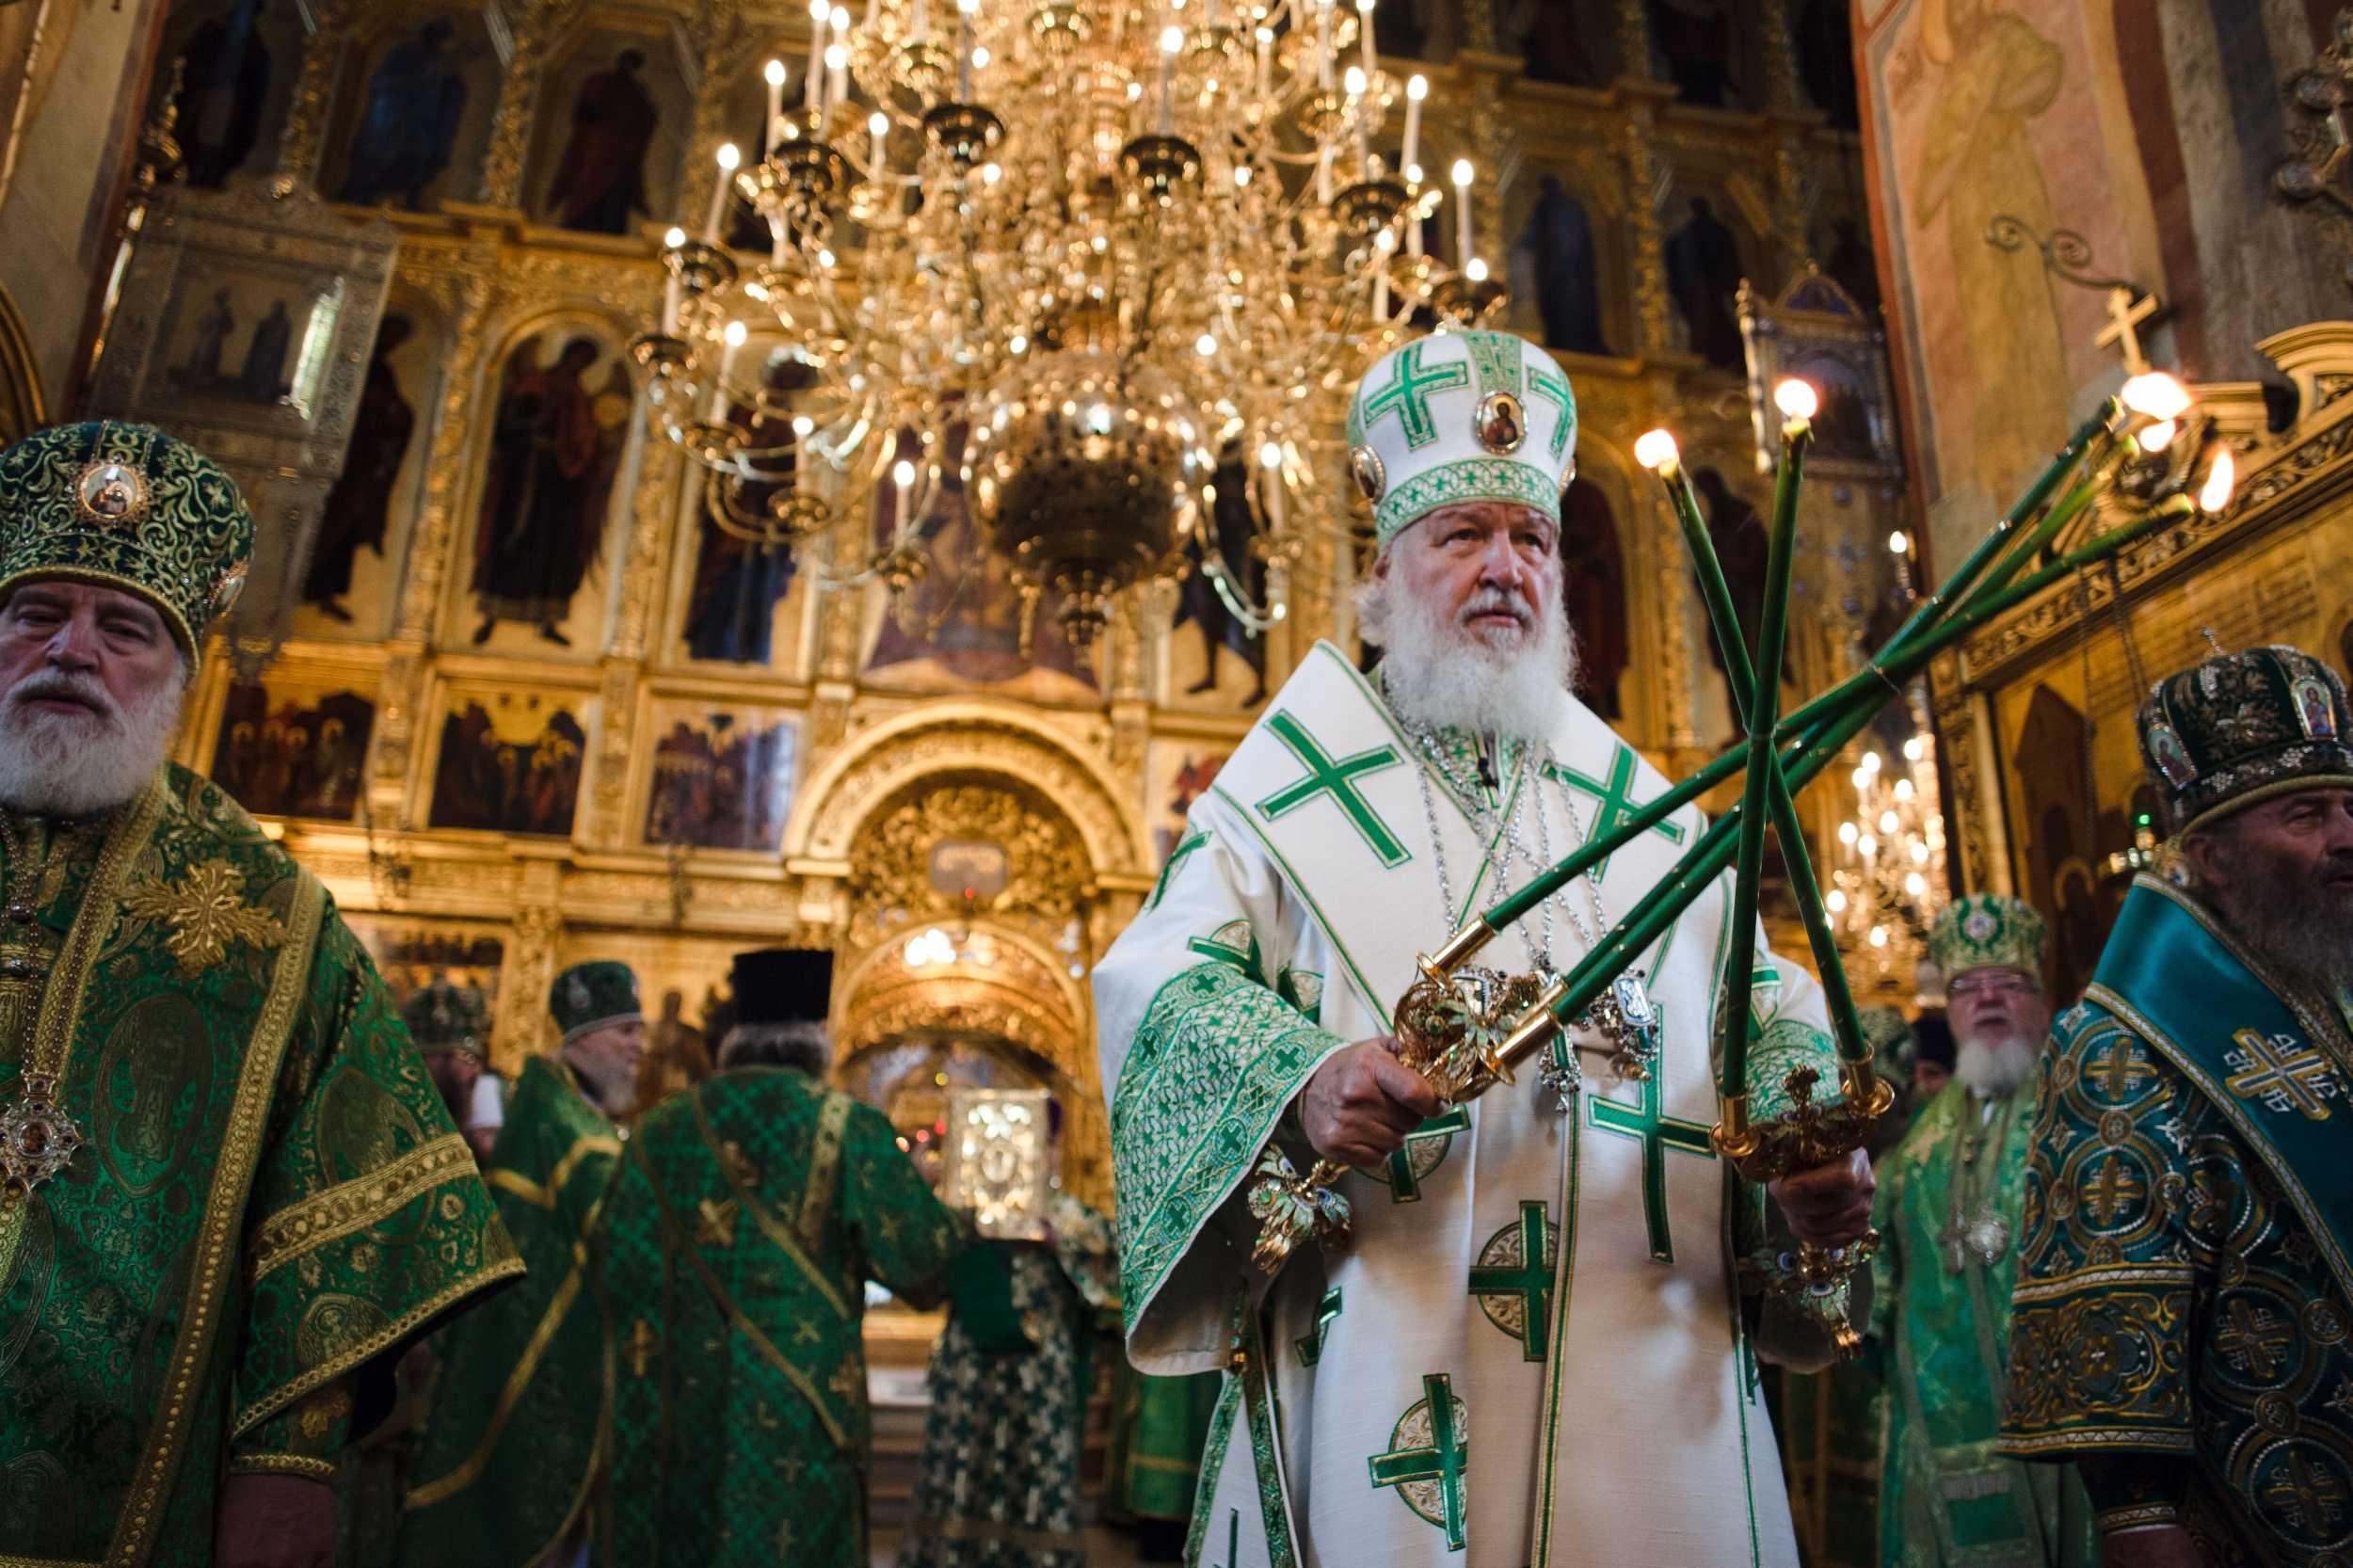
x=824 y=1167
x=2156 y=1439
x=547 y=1197
x=283 y=1464
x=511 y=1392
x=347 y=1207
x=210 y=1274
x=45 y=1562
x=761 y=1215
x=2098 y=1275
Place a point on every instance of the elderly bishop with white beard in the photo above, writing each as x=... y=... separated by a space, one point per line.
x=230 y=1195
x=1535 y=1350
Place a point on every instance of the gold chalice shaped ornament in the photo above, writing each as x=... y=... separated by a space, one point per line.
x=1469 y=1029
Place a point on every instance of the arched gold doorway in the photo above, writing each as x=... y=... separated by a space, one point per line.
x=977 y=860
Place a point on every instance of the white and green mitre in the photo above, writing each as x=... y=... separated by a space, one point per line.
x=1460 y=416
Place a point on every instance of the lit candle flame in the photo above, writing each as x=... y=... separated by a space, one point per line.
x=2157 y=396
x=1461 y=172
x=1656 y=450
x=1271 y=456
x=775 y=72
x=1418 y=88
x=2221 y=478
x=1796 y=399
x=729 y=156
x=1476 y=269
x=673 y=238
x=2157 y=437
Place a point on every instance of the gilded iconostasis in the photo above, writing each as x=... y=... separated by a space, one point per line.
x=533 y=699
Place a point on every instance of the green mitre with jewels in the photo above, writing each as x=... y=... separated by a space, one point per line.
x=2241 y=727
x=125 y=507
x=1460 y=416
x=1986 y=930
x=592 y=995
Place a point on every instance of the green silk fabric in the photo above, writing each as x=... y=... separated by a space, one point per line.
x=745 y=1218
x=998 y=1486
x=511 y=1445
x=1948 y=1499
x=1158 y=1429
x=2172 y=1298
x=272 y=1198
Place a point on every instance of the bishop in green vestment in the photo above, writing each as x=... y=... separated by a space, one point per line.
x=513 y=1445
x=228 y=1193
x=746 y=1217
x=2184 y=1323
x=1946 y=1212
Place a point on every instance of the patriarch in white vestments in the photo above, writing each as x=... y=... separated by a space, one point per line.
x=1537 y=1350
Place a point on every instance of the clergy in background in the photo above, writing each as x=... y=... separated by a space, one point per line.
x=1009 y=1390
x=229 y=1194
x=512 y=1444
x=748 y=1215
x=1947 y=1214
x=2183 y=1325
x=1449 y=1383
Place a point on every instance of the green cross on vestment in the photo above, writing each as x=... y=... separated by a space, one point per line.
x=1407 y=395
x=1617 y=803
x=1311 y=1347
x=1233 y=1540
x=1530 y=1279
x=1658 y=1134
x=1554 y=389
x=1236 y=944
x=1185 y=846
x=1405 y=1183
x=1338 y=780
x=1497 y=359
x=1443 y=1458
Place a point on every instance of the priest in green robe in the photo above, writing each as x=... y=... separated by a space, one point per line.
x=2184 y=1319
x=748 y=1213
x=513 y=1447
x=1947 y=1214
x=228 y=1193
x=1152 y=1463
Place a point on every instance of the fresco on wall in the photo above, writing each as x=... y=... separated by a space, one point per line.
x=614 y=121
x=414 y=119
x=293 y=748
x=510 y=763
x=722 y=777
x=557 y=436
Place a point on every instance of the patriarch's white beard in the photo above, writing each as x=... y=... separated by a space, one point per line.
x=1995 y=1066
x=1439 y=672
x=73 y=764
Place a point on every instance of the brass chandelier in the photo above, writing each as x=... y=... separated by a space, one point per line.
x=1074 y=258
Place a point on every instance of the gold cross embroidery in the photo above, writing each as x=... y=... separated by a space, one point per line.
x=2113 y=1187
x=2281 y=1078
x=715 y=1224
x=846 y=1382
x=639 y=1347
x=805 y=1332
x=207 y=911
x=2121 y=1068
x=2252 y=1338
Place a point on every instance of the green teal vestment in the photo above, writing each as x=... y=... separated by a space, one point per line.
x=999 y=1481
x=1947 y=1215
x=271 y=1200
x=1158 y=1429
x=744 y=1220
x=512 y=1444
x=2184 y=1308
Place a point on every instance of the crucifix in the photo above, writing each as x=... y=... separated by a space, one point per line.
x=2127 y=310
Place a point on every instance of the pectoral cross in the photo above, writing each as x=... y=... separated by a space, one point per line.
x=639 y=1347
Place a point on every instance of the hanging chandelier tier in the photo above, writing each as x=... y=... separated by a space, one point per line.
x=1068 y=261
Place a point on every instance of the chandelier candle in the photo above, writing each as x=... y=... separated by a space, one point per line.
x=966 y=10
x=1417 y=88
x=1463 y=210
x=728 y=159
x=811 y=85
x=1364 y=36
x=775 y=73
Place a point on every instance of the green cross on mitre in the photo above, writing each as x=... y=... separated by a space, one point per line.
x=1530 y=1279
x=1656 y=1133
x=1499 y=360
x=1443 y=1459
x=1545 y=383
x=1337 y=779
x=1407 y=396
x=1615 y=796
